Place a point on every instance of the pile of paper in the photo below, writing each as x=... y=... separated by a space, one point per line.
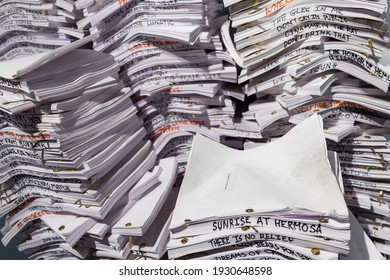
x=144 y=226
x=93 y=144
x=272 y=202
x=75 y=163
x=36 y=26
x=366 y=177
x=171 y=56
x=303 y=57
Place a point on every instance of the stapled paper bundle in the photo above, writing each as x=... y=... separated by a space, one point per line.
x=278 y=201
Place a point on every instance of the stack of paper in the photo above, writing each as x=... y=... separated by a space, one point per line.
x=145 y=223
x=272 y=202
x=171 y=56
x=134 y=226
x=77 y=157
x=36 y=26
x=364 y=162
x=300 y=57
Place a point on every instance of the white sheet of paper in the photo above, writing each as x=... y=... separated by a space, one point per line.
x=290 y=173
